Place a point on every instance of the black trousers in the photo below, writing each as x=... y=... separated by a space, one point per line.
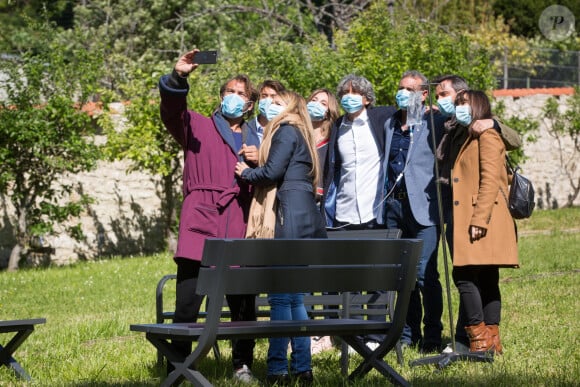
x=187 y=305
x=480 y=297
x=370 y=225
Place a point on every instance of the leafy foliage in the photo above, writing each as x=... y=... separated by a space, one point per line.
x=44 y=134
x=523 y=15
x=382 y=52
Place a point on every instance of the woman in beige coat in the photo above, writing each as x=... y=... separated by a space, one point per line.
x=484 y=236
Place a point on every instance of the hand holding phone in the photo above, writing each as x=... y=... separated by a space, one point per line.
x=205 y=57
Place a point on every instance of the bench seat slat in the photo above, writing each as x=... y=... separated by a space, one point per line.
x=260 y=329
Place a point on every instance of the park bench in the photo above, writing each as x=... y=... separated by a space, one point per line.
x=343 y=305
x=240 y=266
x=21 y=329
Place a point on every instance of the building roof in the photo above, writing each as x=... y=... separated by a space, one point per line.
x=516 y=93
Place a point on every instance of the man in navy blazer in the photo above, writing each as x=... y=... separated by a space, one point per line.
x=353 y=186
x=353 y=175
x=411 y=203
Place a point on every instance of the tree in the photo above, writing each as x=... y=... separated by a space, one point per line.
x=564 y=127
x=14 y=36
x=382 y=51
x=44 y=134
x=523 y=15
x=145 y=142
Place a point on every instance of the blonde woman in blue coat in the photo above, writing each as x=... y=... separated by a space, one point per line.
x=288 y=160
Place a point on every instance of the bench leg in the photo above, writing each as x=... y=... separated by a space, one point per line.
x=7 y=351
x=16 y=367
x=182 y=367
x=216 y=353
x=374 y=359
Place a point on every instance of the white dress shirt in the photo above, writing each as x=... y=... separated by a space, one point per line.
x=358 y=190
x=259 y=130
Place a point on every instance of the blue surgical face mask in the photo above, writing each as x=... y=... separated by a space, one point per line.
x=316 y=111
x=263 y=105
x=463 y=114
x=402 y=98
x=233 y=106
x=446 y=106
x=351 y=103
x=273 y=111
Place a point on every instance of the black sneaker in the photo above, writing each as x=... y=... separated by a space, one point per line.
x=429 y=348
x=278 y=380
x=304 y=378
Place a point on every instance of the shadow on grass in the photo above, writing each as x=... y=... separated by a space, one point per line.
x=496 y=381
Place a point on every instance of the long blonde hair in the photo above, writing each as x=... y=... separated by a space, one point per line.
x=295 y=114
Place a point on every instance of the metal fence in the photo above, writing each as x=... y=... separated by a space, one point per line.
x=554 y=68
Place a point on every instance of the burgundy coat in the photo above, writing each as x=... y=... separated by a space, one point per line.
x=216 y=203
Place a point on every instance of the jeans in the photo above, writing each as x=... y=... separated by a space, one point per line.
x=398 y=214
x=288 y=306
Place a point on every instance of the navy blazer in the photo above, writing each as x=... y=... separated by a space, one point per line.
x=377 y=118
x=288 y=166
x=250 y=132
x=419 y=174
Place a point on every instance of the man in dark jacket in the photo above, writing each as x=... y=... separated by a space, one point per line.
x=352 y=175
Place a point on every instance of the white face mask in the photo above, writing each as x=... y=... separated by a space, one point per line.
x=351 y=103
x=273 y=111
x=463 y=114
x=316 y=110
x=263 y=105
x=446 y=106
x=233 y=106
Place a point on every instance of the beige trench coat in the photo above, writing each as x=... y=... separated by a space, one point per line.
x=478 y=178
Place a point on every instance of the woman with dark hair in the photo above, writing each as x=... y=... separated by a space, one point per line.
x=483 y=231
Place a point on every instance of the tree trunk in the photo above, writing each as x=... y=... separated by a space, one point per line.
x=19 y=248
x=14 y=257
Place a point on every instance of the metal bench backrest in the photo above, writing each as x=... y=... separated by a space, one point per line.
x=252 y=266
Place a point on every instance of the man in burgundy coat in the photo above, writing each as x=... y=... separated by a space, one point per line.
x=216 y=203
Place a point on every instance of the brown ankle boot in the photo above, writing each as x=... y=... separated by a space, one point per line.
x=480 y=339
x=494 y=333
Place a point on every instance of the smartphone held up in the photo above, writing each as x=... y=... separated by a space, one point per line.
x=205 y=57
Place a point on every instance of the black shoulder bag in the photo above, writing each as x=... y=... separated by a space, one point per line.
x=521 y=195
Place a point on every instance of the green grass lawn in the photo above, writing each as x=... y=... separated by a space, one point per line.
x=89 y=306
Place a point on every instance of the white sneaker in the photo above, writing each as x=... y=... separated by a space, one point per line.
x=459 y=348
x=244 y=375
x=320 y=344
x=373 y=345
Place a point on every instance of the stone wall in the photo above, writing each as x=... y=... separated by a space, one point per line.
x=125 y=217
x=552 y=163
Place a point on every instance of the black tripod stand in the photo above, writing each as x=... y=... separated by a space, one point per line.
x=444 y=359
